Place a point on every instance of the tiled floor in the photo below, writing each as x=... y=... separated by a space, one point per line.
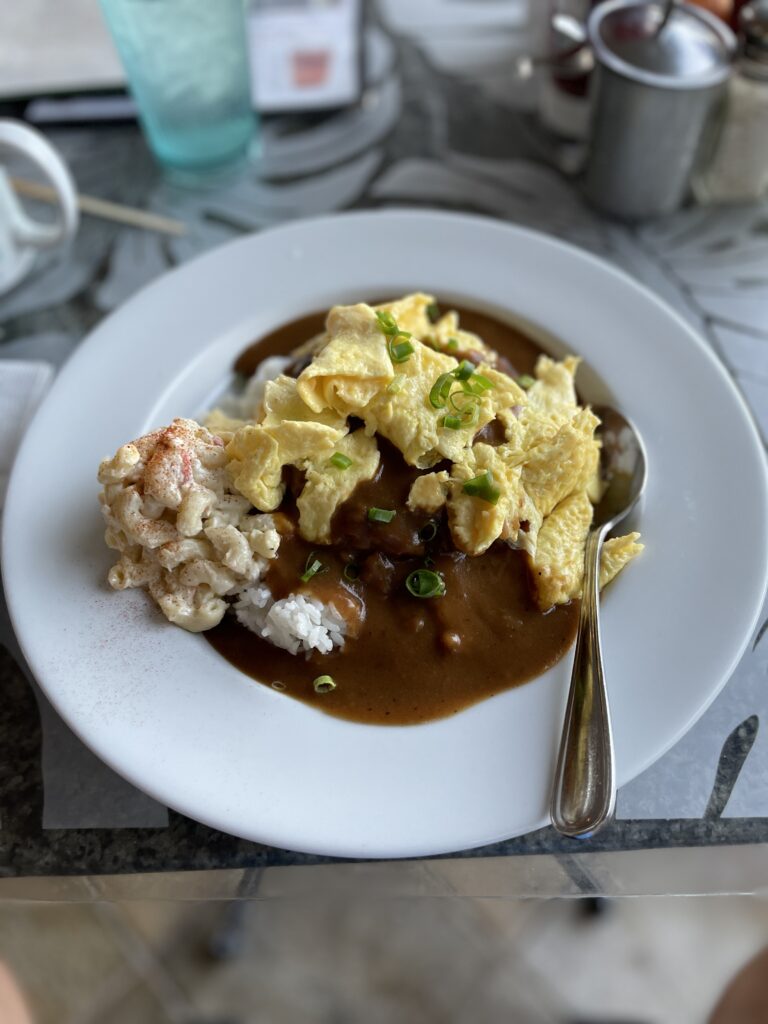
x=430 y=961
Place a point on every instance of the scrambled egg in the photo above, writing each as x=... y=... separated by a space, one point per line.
x=283 y=403
x=550 y=403
x=289 y=434
x=355 y=375
x=411 y=313
x=559 y=557
x=544 y=475
x=399 y=370
x=564 y=464
x=352 y=368
x=429 y=492
x=411 y=423
x=328 y=486
x=475 y=523
x=222 y=425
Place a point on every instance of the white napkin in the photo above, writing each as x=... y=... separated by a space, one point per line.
x=23 y=384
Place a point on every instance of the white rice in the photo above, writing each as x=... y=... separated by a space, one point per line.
x=247 y=404
x=295 y=623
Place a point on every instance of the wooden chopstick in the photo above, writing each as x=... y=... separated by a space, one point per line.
x=103 y=208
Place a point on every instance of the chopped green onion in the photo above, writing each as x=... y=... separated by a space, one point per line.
x=467 y=407
x=525 y=380
x=311 y=570
x=461 y=400
x=324 y=684
x=387 y=322
x=470 y=415
x=396 y=384
x=399 y=351
x=428 y=532
x=311 y=567
x=425 y=583
x=381 y=515
x=482 y=486
x=464 y=370
x=428 y=562
x=433 y=312
x=438 y=396
x=340 y=460
x=452 y=344
x=478 y=384
x=466 y=404
x=472 y=383
x=351 y=572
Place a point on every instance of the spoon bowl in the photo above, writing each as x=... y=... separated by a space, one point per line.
x=623 y=467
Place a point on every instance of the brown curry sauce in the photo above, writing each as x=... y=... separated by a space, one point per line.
x=406 y=660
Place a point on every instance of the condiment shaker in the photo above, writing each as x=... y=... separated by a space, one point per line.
x=738 y=171
x=657 y=87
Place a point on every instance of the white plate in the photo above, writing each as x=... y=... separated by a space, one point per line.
x=162 y=708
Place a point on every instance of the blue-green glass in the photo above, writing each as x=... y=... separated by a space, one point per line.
x=187 y=66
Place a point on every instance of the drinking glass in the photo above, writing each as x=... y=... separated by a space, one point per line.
x=187 y=67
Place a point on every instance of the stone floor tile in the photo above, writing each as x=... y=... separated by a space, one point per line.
x=409 y=961
x=162 y=922
x=138 y=1006
x=61 y=955
x=509 y=993
x=657 y=960
x=510 y=918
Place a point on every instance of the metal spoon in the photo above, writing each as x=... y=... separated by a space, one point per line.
x=584 y=791
x=665 y=13
x=572 y=57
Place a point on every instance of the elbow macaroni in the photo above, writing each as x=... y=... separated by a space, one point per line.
x=180 y=528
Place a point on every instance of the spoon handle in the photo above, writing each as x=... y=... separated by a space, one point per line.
x=584 y=793
x=666 y=12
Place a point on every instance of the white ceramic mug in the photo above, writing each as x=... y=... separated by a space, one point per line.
x=21 y=237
